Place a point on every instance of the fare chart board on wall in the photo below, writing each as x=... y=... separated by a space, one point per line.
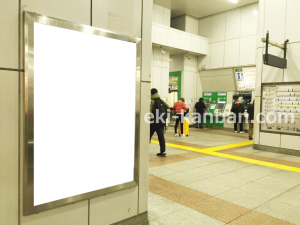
x=245 y=78
x=281 y=108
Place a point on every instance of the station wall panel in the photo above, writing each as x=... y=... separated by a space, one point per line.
x=247 y=50
x=291 y=73
x=233 y=24
x=9 y=24
x=218 y=28
x=217 y=55
x=205 y=28
x=290 y=142
x=269 y=139
x=292 y=21
x=249 y=17
x=231 y=57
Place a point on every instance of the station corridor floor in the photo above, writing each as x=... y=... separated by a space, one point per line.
x=216 y=177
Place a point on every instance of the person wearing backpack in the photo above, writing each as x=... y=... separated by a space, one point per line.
x=179 y=108
x=200 y=107
x=159 y=108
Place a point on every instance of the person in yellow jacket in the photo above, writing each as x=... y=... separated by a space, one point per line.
x=158 y=125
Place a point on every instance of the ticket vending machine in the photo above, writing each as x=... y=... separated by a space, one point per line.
x=220 y=108
x=215 y=105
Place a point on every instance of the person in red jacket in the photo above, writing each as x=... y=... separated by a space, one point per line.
x=179 y=108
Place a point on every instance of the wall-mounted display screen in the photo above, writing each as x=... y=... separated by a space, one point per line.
x=80 y=86
x=281 y=108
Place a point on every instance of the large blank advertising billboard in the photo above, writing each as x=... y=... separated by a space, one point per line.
x=81 y=109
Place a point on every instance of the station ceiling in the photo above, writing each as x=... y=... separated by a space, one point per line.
x=200 y=8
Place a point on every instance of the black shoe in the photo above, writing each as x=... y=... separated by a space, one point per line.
x=250 y=138
x=162 y=154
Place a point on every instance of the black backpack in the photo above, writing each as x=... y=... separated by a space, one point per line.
x=162 y=111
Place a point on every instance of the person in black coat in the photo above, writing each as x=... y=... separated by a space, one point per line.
x=250 y=111
x=200 y=107
x=238 y=115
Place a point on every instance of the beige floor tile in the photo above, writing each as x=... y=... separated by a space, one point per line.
x=161 y=171
x=209 y=187
x=242 y=198
x=180 y=166
x=276 y=182
x=281 y=211
x=246 y=175
x=287 y=175
x=159 y=206
x=290 y=158
x=219 y=209
x=290 y=197
x=270 y=154
x=228 y=180
x=189 y=217
x=182 y=178
x=213 y=159
x=219 y=168
x=185 y=196
x=261 y=190
x=197 y=162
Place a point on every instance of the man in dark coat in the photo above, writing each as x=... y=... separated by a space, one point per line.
x=238 y=115
x=200 y=107
x=250 y=111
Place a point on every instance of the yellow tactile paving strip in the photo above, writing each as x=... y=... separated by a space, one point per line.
x=214 y=207
x=213 y=151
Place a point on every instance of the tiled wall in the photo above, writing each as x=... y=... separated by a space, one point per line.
x=160 y=72
x=124 y=17
x=231 y=38
x=280 y=18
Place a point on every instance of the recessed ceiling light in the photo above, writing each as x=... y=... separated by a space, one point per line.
x=234 y=1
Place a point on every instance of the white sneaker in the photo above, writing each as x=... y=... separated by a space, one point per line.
x=242 y=132
x=235 y=131
x=182 y=135
x=176 y=135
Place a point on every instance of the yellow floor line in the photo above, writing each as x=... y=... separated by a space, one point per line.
x=212 y=151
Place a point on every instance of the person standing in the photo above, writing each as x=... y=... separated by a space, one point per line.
x=200 y=107
x=238 y=115
x=158 y=125
x=250 y=112
x=179 y=108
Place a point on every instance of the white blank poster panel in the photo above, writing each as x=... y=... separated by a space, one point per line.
x=84 y=85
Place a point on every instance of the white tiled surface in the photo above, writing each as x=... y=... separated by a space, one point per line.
x=174 y=37
x=291 y=73
x=191 y=25
x=161 y=34
x=249 y=17
x=233 y=24
x=292 y=18
x=205 y=28
x=76 y=214
x=196 y=43
x=256 y=136
x=225 y=83
x=269 y=139
x=217 y=55
x=185 y=40
x=275 y=20
x=164 y=83
x=9 y=147
x=167 y=17
x=209 y=83
x=189 y=79
x=122 y=203
x=9 y=34
x=290 y=142
x=176 y=63
x=158 y=14
x=247 y=50
x=231 y=57
x=259 y=66
x=205 y=60
x=144 y=149
x=218 y=27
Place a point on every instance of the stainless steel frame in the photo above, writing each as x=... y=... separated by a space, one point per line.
x=28 y=176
